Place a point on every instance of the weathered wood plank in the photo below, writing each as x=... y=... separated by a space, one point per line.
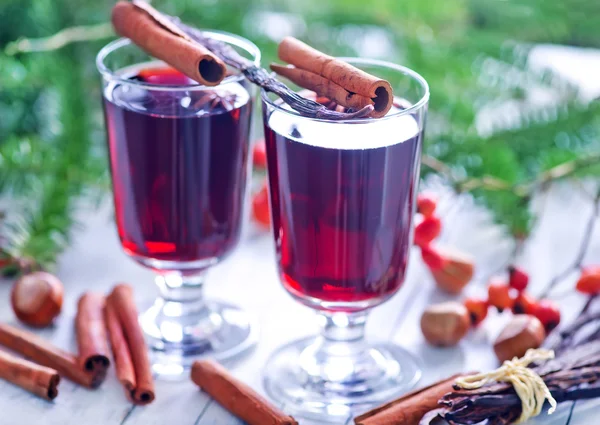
x=182 y=401
x=216 y=415
x=249 y=278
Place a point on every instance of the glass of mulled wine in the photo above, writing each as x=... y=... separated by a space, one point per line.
x=342 y=196
x=178 y=158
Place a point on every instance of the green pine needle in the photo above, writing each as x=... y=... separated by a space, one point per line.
x=472 y=52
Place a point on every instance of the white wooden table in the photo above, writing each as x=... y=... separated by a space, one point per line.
x=248 y=278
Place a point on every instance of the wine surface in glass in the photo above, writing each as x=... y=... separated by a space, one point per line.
x=178 y=164
x=342 y=199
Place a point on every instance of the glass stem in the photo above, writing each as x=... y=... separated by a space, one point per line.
x=182 y=294
x=343 y=327
x=340 y=355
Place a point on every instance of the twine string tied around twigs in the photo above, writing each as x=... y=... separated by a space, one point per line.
x=528 y=385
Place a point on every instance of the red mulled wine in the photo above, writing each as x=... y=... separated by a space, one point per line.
x=342 y=198
x=178 y=161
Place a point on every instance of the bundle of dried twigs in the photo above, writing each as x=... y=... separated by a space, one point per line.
x=573 y=374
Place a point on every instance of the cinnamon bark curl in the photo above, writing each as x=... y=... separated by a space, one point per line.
x=237 y=397
x=333 y=78
x=165 y=42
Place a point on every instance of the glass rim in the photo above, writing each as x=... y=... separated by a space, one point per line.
x=224 y=36
x=355 y=60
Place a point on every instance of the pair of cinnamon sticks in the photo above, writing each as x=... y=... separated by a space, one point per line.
x=40 y=374
x=130 y=353
x=116 y=316
x=333 y=78
x=95 y=315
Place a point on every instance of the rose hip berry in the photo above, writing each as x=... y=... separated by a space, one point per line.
x=259 y=154
x=478 y=309
x=499 y=295
x=426 y=204
x=432 y=258
x=548 y=313
x=427 y=230
x=260 y=206
x=517 y=278
x=524 y=304
x=589 y=281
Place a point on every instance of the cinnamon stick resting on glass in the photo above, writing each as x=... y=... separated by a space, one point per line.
x=168 y=44
x=333 y=78
x=91 y=335
x=128 y=346
x=237 y=397
x=39 y=380
x=323 y=87
x=42 y=352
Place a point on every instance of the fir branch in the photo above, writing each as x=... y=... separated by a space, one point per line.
x=464 y=56
x=60 y=39
x=44 y=222
x=525 y=189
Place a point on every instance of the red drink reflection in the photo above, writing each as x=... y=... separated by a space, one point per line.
x=178 y=163
x=342 y=206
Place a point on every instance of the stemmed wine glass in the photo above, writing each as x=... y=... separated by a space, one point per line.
x=178 y=158
x=342 y=196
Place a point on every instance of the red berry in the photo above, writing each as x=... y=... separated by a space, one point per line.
x=524 y=304
x=432 y=258
x=499 y=295
x=260 y=206
x=517 y=278
x=478 y=309
x=548 y=313
x=589 y=281
x=6 y=260
x=426 y=204
x=427 y=230
x=259 y=154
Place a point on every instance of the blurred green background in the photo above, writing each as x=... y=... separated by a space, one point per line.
x=474 y=54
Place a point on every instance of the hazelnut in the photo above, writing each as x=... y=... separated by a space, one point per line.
x=520 y=334
x=37 y=298
x=445 y=324
x=456 y=272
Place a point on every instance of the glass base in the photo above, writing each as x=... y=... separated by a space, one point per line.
x=333 y=387
x=177 y=338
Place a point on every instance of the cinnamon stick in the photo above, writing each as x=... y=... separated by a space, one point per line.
x=128 y=345
x=338 y=72
x=323 y=86
x=39 y=380
x=237 y=397
x=165 y=42
x=42 y=352
x=410 y=408
x=91 y=335
x=120 y=349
